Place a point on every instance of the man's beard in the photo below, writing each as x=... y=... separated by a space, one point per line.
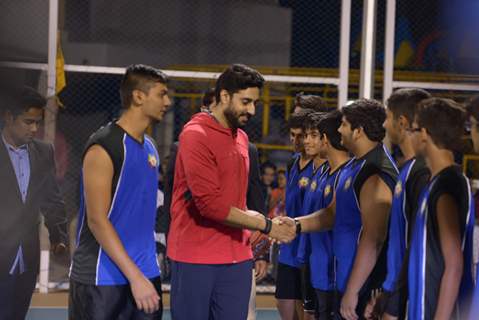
x=233 y=118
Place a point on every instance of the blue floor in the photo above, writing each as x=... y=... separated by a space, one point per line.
x=61 y=314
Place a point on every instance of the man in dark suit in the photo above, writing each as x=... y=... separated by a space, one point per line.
x=27 y=188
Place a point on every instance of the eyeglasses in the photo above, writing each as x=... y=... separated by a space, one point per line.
x=467 y=126
x=412 y=130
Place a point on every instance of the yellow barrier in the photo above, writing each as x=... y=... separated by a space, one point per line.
x=282 y=94
x=466 y=158
x=265 y=146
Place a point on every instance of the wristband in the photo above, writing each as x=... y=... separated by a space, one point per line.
x=298 y=226
x=269 y=225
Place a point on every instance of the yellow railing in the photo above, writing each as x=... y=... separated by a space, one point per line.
x=282 y=94
x=466 y=159
x=354 y=74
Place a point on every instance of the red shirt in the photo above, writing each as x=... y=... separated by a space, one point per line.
x=211 y=176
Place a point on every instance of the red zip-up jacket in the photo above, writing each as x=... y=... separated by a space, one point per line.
x=211 y=176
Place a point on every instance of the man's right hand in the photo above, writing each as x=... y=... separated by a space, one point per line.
x=283 y=231
x=145 y=294
x=369 y=310
x=376 y=307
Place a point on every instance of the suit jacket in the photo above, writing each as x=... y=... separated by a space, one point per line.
x=19 y=221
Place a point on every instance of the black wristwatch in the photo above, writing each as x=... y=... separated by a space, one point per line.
x=298 y=226
x=268 y=226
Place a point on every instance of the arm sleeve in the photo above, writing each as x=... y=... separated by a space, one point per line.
x=255 y=199
x=414 y=187
x=53 y=208
x=456 y=186
x=169 y=179
x=201 y=175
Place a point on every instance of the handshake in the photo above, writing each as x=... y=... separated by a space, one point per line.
x=283 y=230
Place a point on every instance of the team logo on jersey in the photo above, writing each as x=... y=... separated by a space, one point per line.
x=152 y=160
x=303 y=182
x=327 y=190
x=398 y=189
x=347 y=184
x=314 y=184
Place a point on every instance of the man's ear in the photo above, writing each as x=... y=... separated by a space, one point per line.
x=137 y=97
x=403 y=122
x=7 y=117
x=225 y=96
x=358 y=133
x=424 y=135
x=325 y=139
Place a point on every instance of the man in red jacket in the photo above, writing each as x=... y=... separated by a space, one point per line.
x=208 y=240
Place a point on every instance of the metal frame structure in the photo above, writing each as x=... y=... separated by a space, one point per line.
x=368 y=50
x=389 y=84
x=50 y=69
x=342 y=82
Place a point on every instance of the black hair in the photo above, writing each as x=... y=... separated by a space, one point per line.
x=472 y=107
x=368 y=114
x=297 y=120
x=208 y=97
x=312 y=120
x=329 y=125
x=309 y=101
x=403 y=102
x=267 y=164
x=444 y=121
x=21 y=99
x=238 y=77
x=139 y=77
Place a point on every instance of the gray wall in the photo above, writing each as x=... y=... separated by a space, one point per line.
x=164 y=33
x=24 y=30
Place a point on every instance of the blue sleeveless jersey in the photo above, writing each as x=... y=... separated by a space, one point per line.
x=304 y=247
x=132 y=211
x=398 y=228
x=321 y=260
x=426 y=262
x=475 y=300
x=297 y=183
x=348 y=224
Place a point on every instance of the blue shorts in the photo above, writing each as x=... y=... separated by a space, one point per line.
x=210 y=291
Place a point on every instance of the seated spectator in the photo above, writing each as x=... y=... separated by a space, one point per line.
x=268 y=174
x=276 y=203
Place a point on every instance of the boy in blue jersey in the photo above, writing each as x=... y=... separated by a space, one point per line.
x=114 y=272
x=413 y=175
x=315 y=104
x=323 y=140
x=311 y=147
x=440 y=276
x=359 y=215
x=472 y=108
x=288 y=281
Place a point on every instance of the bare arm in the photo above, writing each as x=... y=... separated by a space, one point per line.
x=97 y=179
x=375 y=199
x=321 y=220
x=450 y=240
x=253 y=220
x=204 y=184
